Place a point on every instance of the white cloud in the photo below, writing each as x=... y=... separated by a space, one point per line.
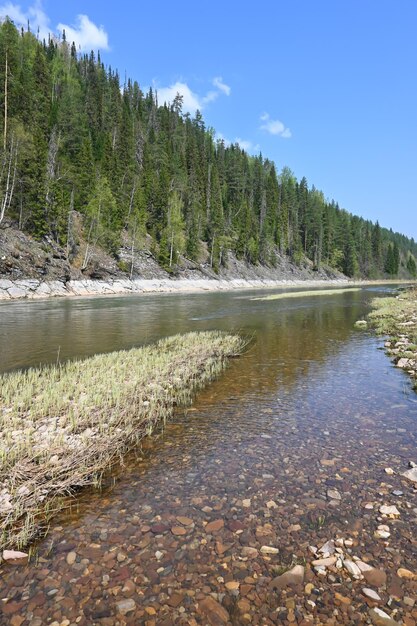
x=211 y=96
x=248 y=146
x=221 y=137
x=218 y=82
x=245 y=144
x=34 y=16
x=85 y=34
x=192 y=101
x=274 y=127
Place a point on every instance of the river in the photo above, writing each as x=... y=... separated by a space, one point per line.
x=287 y=449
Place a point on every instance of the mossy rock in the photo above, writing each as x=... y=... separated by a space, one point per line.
x=361 y=324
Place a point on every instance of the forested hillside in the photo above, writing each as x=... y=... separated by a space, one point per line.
x=75 y=141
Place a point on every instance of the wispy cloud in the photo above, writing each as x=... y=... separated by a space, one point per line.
x=218 y=82
x=274 y=127
x=84 y=33
x=192 y=101
x=245 y=144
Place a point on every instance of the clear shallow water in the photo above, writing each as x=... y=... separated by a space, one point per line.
x=310 y=389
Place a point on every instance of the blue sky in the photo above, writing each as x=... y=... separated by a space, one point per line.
x=326 y=87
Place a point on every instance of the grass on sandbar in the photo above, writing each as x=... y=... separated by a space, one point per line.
x=396 y=316
x=63 y=426
x=302 y=294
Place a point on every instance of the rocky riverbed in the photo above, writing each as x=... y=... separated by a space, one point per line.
x=288 y=501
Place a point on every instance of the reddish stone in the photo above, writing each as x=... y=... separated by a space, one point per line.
x=213 y=527
x=158 y=529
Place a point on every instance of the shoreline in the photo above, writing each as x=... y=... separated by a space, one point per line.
x=31 y=289
x=396 y=319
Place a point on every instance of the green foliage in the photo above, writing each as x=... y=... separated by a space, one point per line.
x=73 y=140
x=411 y=266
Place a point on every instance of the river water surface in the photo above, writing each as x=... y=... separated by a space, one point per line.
x=313 y=407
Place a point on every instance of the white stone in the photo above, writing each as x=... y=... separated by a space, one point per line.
x=269 y=550
x=327 y=562
x=353 y=569
x=125 y=606
x=333 y=494
x=411 y=474
x=364 y=567
x=389 y=510
x=14 y=555
x=370 y=593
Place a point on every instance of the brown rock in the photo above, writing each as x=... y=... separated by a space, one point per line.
x=342 y=599
x=178 y=530
x=232 y=585
x=243 y=606
x=406 y=573
x=250 y=553
x=215 y=613
x=292 y=578
x=185 y=521
x=375 y=577
x=150 y=610
x=175 y=600
x=213 y=527
x=158 y=529
x=221 y=548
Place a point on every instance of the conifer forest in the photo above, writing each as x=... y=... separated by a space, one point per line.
x=77 y=140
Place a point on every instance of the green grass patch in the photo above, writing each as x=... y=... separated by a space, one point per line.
x=396 y=316
x=63 y=426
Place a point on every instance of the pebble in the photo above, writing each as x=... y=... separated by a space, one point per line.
x=353 y=569
x=14 y=555
x=391 y=511
x=334 y=494
x=232 y=585
x=380 y=618
x=406 y=573
x=411 y=474
x=382 y=532
x=269 y=550
x=71 y=558
x=213 y=527
x=125 y=606
x=370 y=593
x=292 y=577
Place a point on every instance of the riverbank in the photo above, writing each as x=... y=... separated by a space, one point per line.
x=397 y=318
x=64 y=426
x=31 y=289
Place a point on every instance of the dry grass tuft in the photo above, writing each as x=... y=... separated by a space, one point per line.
x=63 y=426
